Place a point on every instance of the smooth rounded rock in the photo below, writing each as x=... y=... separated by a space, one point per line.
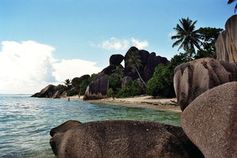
x=123 y=139
x=210 y=121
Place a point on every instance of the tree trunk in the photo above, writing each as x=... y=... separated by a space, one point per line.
x=144 y=83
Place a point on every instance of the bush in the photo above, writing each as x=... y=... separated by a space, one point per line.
x=110 y=92
x=161 y=83
x=133 y=88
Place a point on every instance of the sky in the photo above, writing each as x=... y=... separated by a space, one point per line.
x=48 y=41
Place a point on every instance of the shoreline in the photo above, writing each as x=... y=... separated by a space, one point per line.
x=139 y=102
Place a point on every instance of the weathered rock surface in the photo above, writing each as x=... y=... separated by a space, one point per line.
x=51 y=91
x=226 y=44
x=116 y=59
x=210 y=121
x=193 y=78
x=97 y=89
x=148 y=60
x=122 y=139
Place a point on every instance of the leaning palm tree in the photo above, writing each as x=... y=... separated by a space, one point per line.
x=231 y=1
x=135 y=63
x=186 y=36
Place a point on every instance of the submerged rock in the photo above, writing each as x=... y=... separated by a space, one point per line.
x=210 y=121
x=193 y=78
x=122 y=139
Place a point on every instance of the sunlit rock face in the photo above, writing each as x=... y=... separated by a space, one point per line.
x=210 y=121
x=226 y=44
x=193 y=78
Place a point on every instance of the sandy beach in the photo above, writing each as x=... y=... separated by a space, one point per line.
x=138 y=101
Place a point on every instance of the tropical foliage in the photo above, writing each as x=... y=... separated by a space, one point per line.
x=208 y=37
x=187 y=37
x=135 y=63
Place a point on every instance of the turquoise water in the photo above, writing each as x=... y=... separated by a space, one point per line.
x=25 y=122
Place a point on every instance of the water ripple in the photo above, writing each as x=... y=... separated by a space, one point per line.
x=25 y=122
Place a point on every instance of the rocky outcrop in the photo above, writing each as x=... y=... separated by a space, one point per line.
x=51 y=91
x=193 y=78
x=210 y=121
x=97 y=89
x=116 y=59
x=148 y=60
x=226 y=44
x=124 y=139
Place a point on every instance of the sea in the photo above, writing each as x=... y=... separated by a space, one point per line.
x=25 y=122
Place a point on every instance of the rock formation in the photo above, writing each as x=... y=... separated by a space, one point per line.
x=97 y=89
x=116 y=59
x=148 y=60
x=210 y=121
x=226 y=44
x=193 y=78
x=121 y=139
x=51 y=91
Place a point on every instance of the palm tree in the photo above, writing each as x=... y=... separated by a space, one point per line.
x=231 y=1
x=186 y=36
x=135 y=63
x=67 y=82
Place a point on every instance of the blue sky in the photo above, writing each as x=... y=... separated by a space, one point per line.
x=90 y=30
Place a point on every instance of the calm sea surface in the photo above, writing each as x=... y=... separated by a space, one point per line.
x=25 y=122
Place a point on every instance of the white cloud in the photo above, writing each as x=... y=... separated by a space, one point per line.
x=123 y=44
x=28 y=66
x=75 y=67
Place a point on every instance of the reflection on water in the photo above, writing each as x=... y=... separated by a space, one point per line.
x=25 y=122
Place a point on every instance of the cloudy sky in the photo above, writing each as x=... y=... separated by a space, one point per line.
x=48 y=41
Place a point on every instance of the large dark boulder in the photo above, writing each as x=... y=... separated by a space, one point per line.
x=109 y=70
x=152 y=62
x=149 y=61
x=210 y=121
x=116 y=59
x=122 y=139
x=78 y=80
x=51 y=91
x=193 y=78
x=97 y=89
x=226 y=44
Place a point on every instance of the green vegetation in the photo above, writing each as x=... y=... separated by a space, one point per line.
x=208 y=37
x=161 y=83
x=135 y=63
x=187 y=37
x=78 y=85
x=195 y=43
x=133 y=88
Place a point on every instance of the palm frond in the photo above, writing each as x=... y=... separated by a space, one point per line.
x=230 y=1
